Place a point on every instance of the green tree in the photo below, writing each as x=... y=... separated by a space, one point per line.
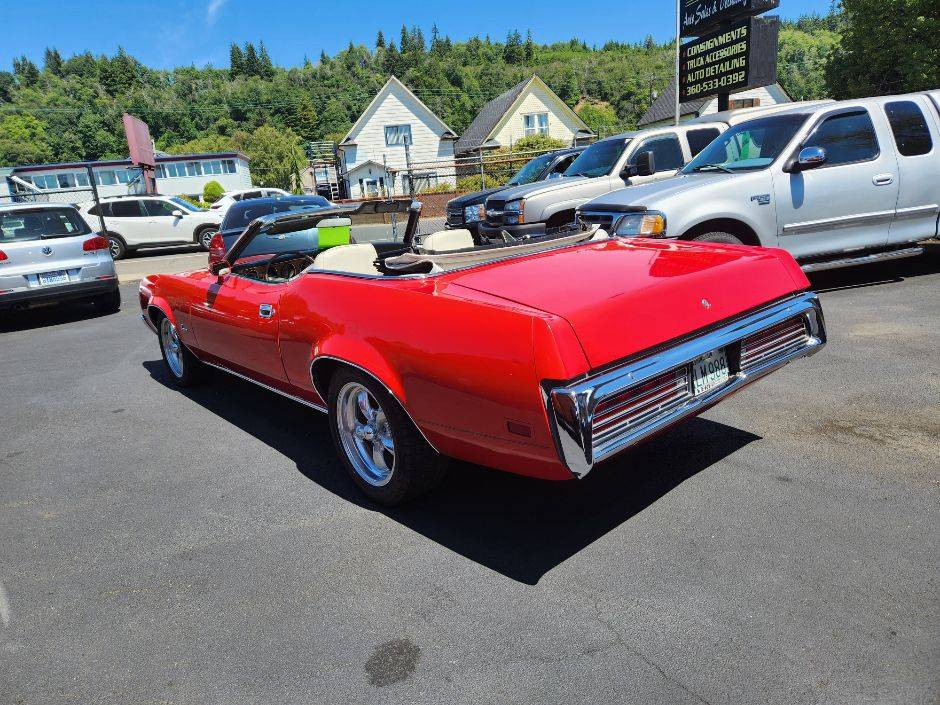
x=888 y=46
x=25 y=71
x=379 y=40
x=334 y=120
x=264 y=60
x=252 y=61
x=513 y=51
x=303 y=121
x=598 y=115
x=275 y=156
x=236 y=61
x=212 y=191
x=529 y=47
x=23 y=140
x=52 y=61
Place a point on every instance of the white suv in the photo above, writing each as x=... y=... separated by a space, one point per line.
x=230 y=197
x=136 y=222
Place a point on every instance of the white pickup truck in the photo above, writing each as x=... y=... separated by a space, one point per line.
x=835 y=184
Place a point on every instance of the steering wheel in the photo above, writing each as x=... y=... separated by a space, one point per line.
x=282 y=257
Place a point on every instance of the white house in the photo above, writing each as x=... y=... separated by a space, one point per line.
x=528 y=108
x=394 y=130
x=176 y=174
x=663 y=109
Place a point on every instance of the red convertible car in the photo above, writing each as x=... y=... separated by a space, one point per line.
x=541 y=356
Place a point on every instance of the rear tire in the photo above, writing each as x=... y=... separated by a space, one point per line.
x=204 y=237
x=383 y=452
x=719 y=237
x=108 y=303
x=185 y=370
x=117 y=247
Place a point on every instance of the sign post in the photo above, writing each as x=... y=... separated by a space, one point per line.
x=140 y=147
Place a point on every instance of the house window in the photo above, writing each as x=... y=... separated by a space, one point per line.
x=193 y=169
x=535 y=124
x=228 y=165
x=370 y=187
x=105 y=178
x=396 y=135
x=743 y=103
x=81 y=178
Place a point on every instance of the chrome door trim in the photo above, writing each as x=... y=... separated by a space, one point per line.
x=316 y=407
x=843 y=221
x=917 y=211
x=863 y=259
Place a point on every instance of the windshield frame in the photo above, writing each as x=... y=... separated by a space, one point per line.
x=701 y=160
x=571 y=171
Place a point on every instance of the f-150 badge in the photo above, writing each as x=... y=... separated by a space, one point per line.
x=763 y=199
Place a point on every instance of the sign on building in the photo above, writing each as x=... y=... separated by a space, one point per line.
x=701 y=16
x=738 y=56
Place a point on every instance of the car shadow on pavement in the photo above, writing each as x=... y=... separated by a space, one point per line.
x=514 y=525
x=44 y=316
x=880 y=273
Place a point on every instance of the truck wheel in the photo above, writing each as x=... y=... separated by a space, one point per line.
x=383 y=452
x=718 y=236
x=117 y=247
x=184 y=368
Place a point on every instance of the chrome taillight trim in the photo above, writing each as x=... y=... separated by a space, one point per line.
x=571 y=408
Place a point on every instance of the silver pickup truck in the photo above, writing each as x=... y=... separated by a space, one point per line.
x=608 y=164
x=835 y=184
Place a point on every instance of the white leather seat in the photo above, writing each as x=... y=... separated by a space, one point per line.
x=356 y=259
x=447 y=241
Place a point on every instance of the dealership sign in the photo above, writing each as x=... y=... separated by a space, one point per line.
x=741 y=55
x=700 y=16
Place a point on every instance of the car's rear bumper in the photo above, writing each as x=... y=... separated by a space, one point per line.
x=641 y=412
x=55 y=294
x=517 y=231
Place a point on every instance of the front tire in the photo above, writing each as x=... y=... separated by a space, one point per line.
x=383 y=452
x=718 y=237
x=204 y=237
x=185 y=370
x=108 y=303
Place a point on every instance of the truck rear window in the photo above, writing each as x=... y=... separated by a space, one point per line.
x=909 y=127
x=40 y=224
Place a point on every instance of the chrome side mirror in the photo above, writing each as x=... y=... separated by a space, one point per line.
x=811 y=157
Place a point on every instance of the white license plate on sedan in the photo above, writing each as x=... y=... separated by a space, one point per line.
x=709 y=372
x=58 y=277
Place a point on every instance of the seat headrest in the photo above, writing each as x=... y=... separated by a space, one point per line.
x=356 y=259
x=447 y=241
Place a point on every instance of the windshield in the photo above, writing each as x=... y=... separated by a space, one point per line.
x=598 y=159
x=751 y=145
x=531 y=171
x=41 y=224
x=186 y=204
x=243 y=212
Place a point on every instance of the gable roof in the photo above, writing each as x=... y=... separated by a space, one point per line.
x=393 y=82
x=664 y=107
x=492 y=114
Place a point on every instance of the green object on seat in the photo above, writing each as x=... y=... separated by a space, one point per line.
x=333 y=231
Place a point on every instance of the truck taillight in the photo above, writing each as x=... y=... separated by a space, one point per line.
x=95 y=243
x=216 y=249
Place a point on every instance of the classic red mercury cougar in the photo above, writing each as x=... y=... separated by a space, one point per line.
x=541 y=356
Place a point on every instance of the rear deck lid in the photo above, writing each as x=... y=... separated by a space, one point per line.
x=625 y=296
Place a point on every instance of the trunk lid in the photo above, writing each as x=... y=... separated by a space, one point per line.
x=622 y=297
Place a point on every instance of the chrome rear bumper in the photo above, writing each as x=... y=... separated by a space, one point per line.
x=571 y=408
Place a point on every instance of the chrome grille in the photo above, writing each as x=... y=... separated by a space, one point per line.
x=780 y=339
x=604 y=220
x=455 y=217
x=631 y=408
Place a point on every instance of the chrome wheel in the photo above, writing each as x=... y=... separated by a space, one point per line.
x=172 y=348
x=114 y=246
x=365 y=434
x=206 y=238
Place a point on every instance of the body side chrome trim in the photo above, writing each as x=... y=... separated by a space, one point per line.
x=373 y=376
x=863 y=259
x=316 y=407
x=844 y=221
x=571 y=408
x=917 y=211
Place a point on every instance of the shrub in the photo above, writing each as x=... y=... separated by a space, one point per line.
x=538 y=142
x=195 y=201
x=470 y=183
x=438 y=188
x=212 y=192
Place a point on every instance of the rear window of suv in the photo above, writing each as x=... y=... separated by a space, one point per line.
x=243 y=212
x=41 y=224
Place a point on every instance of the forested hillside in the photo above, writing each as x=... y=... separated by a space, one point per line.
x=69 y=108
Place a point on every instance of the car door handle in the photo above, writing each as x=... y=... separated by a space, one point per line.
x=882 y=179
x=266 y=311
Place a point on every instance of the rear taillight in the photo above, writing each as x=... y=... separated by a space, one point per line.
x=216 y=249
x=95 y=243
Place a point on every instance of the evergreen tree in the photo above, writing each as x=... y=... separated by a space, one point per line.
x=252 y=62
x=405 y=42
x=529 y=49
x=264 y=60
x=513 y=52
x=649 y=43
x=25 y=71
x=236 y=61
x=379 y=40
x=52 y=62
x=417 y=40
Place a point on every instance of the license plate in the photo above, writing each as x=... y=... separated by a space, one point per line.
x=709 y=372
x=57 y=277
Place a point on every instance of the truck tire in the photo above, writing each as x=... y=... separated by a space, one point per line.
x=381 y=449
x=719 y=237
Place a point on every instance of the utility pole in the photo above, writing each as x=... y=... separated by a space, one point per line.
x=678 y=51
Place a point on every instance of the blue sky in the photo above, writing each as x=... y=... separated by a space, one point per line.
x=167 y=33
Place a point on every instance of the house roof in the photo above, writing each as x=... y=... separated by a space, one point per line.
x=393 y=82
x=492 y=114
x=127 y=162
x=664 y=107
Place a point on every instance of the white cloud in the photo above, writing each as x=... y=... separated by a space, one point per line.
x=213 y=9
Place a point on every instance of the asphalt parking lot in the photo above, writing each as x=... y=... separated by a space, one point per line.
x=162 y=547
